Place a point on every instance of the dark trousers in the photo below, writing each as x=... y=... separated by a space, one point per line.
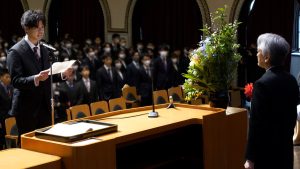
x=30 y=122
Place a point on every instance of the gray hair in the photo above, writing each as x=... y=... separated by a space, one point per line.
x=275 y=45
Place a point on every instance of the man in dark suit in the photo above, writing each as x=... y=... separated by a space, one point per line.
x=273 y=108
x=133 y=71
x=86 y=88
x=145 y=76
x=28 y=64
x=107 y=80
x=5 y=102
x=92 y=61
x=162 y=69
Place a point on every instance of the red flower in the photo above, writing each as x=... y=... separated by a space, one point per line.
x=248 y=90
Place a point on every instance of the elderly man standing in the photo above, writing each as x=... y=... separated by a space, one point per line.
x=273 y=108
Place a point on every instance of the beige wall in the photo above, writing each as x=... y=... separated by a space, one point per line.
x=118 y=13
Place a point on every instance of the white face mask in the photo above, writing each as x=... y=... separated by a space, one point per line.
x=163 y=53
x=92 y=54
x=123 y=44
x=118 y=65
x=147 y=62
x=75 y=67
x=122 y=56
x=107 y=49
x=174 y=60
x=2 y=59
x=68 y=45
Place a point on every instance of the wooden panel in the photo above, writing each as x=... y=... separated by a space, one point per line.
x=134 y=124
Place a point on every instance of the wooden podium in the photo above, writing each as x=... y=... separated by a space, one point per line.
x=222 y=138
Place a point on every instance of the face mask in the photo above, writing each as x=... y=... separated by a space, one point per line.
x=75 y=67
x=88 y=42
x=122 y=56
x=174 y=60
x=118 y=65
x=107 y=49
x=68 y=45
x=163 y=53
x=147 y=62
x=92 y=54
x=123 y=44
x=2 y=59
x=140 y=47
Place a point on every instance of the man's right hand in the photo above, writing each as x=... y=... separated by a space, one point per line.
x=249 y=164
x=42 y=76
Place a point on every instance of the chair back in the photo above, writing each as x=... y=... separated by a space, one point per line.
x=117 y=104
x=99 y=107
x=11 y=127
x=160 y=97
x=129 y=93
x=176 y=93
x=69 y=115
x=80 y=111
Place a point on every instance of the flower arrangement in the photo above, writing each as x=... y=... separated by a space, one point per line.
x=213 y=65
x=248 y=90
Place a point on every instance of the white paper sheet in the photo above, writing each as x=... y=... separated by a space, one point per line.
x=67 y=130
x=60 y=67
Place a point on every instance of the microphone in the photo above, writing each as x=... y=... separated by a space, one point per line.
x=153 y=113
x=47 y=46
x=171 y=105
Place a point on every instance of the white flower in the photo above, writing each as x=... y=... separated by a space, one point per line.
x=192 y=63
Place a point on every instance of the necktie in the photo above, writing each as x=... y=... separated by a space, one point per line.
x=165 y=64
x=110 y=74
x=37 y=57
x=87 y=85
x=148 y=72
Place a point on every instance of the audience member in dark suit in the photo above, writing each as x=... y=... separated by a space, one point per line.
x=177 y=78
x=67 y=97
x=107 y=80
x=115 y=46
x=162 y=69
x=273 y=108
x=133 y=71
x=122 y=78
x=5 y=102
x=92 y=62
x=86 y=88
x=28 y=64
x=123 y=59
x=145 y=76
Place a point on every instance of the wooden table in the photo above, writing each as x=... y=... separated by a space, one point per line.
x=224 y=136
x=20 y=158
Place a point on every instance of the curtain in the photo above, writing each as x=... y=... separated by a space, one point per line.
x=274 y=17
x=81 y=19
x=176 y=22
x=10 y=15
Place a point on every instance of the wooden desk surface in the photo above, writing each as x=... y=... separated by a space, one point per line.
x=20 y=158
x=134 y=124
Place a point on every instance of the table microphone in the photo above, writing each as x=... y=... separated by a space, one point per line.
x=171 y=105
x=153 y=113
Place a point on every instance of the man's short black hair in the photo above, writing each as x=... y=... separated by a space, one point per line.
x=3 y=72
x=116 y=35
x=105 y=56
x=83 y=67
x=31 y=18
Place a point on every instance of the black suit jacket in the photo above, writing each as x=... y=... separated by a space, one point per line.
x=108 y=89
x=67 y=95
x=132 y=75
x=162 y=77
x=272 y=120
x=93 y=66
x=28 y=99
x=5 y=102
x=85 y=97
x=145 y=87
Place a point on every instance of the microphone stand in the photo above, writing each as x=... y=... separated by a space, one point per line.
x=153 y=113
x=51 y=59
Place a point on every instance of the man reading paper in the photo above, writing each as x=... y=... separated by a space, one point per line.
x=28 y=64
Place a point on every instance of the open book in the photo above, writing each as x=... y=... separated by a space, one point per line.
x=60 y=67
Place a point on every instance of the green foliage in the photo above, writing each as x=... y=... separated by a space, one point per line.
x=213 y=65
